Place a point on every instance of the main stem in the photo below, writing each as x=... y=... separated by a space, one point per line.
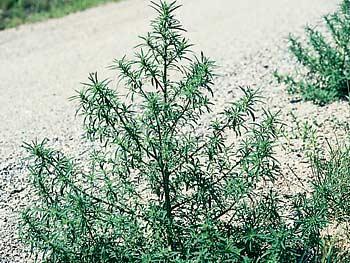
x=164 y=169
x=168 y=209
x=165 y=73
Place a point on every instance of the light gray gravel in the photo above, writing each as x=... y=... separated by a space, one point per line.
x=42 y=64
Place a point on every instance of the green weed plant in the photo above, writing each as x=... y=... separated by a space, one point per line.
x=324 y=60
x=157 y=189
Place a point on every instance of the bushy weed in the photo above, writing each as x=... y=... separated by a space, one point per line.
x=324 y=60
x=158 y=190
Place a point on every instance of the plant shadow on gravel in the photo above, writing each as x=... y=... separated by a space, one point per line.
x=157 y=190
x=324 y=61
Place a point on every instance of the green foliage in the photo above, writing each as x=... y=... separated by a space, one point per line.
x=325 y=61
x=15 y=12
x=328 y=207
x=156 y=188
x=332 y=177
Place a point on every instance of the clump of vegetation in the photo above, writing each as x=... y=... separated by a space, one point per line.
x=325 y=73
x=329 y=199
x=332 y=177
x=15 y=12
x=158 y=190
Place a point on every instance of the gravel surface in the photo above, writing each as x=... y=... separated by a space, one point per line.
x=42 y=64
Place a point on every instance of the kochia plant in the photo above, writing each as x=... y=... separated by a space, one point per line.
x=158 y=189
x=325 y=60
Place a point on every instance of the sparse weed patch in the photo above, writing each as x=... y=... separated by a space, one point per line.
x=330 y=196
x=157 y=190
x=325 y=62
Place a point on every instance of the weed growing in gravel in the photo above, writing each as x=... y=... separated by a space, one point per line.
x=159 y=190
x=326 y=61
x=329 y=202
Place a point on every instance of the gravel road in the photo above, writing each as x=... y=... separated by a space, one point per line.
x=42 y=64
